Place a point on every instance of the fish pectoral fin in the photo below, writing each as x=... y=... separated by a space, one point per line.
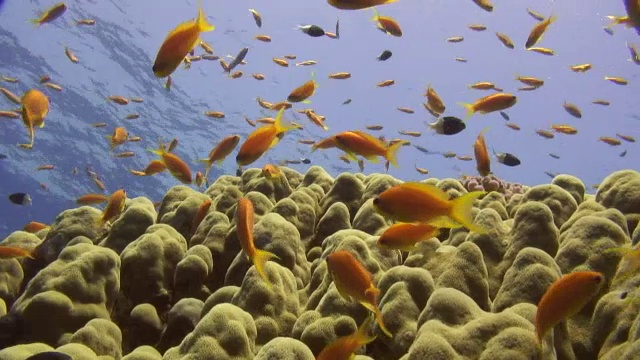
x=341 y=291
x=372 y=290
x=274 y=142
x=373 y=158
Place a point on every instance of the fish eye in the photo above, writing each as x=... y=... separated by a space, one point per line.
x=155 y=67
x=376 y=201
x=597 y=278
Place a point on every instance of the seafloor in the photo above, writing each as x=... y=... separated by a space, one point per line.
x=146 y=289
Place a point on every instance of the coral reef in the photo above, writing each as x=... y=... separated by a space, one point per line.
x=152 y=285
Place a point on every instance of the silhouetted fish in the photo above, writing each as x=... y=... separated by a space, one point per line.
x=385 y=55
x=238 y=59
x=20 y=198
x=504 y=115
x=312 y=30
x=50 y=355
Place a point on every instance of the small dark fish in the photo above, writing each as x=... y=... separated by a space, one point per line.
x=385 y=55
x=608 y=30
x=238 y=59
x=550 y=174
x=346 y=102
x=623 y=154
x=238 y=172
x=554 y=156
x=424 y=150
x=507 y=159
x=448 y=125
x=20 y=198
x=312 y=30
x=504 y=115
x=305 y=161
x=338 y=28
x=50 y=355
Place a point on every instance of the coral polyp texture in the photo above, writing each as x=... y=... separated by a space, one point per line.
x=154 y=284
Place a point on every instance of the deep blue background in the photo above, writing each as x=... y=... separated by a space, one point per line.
x=116 y=56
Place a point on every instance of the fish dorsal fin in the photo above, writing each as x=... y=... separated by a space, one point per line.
x=431 y=189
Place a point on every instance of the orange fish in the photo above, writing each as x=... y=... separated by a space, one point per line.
x=483 y=160
x=572 y=109
x=387 y=24
x=244 y=230
x=434 y=101
x=271 y=171
x=484 y=4
x=304 y=91
x=609 y=140
x=353 y=281
x=35 y=107
x=326 y=143
x=538 y=30
x=418 y=202
x=344 y=347
x=114 y=207
x=564 y=129
x=155 y=167
x=12 y=252
x=202 y=212
x=505 y=40
x=565 y=298
x=490 y=103
x=51 y=14
x=91 y=199
x=119 y=137
x=180 y=42
x=316 y=119
x=360 y=143
x=261 y=140
x=34 y=227
x=405 y=236
x=220 y=152
x=176 y=166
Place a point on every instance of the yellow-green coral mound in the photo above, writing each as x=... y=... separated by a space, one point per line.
x=157 y=285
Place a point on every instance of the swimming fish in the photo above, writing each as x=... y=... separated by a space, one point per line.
x=385 y=55
x=220 y=152
x=51 y=14
x=271 y=171
x=92 y=199
x=507 y=159
x=304 y=91
x=311 y=30
x=419 y=202
x=238 y=59
x=387 y=24
x=504 y=115
x=485 y=5
x=357 y=4
x=176 y=166
x=360 y=143
x=12 y=252
x=344 y=347
x=565 y=298
x=119 y=137
x=505 y=40
x=20 y=198
x=538 y=30
x=448 y=125
x=256 y=17
x=353 y=281
x=490 y=103
x=261 y=140
x=572 y=109
x=405 y=236
x=201 y=213
x=616 y=80
x=632 y=8
x=35 y=107
x=244 y=230
x=483 y=161
x=179 y=43
x=580 y=67
x=115 y=207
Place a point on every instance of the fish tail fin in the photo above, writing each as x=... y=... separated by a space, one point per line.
x=362 y=335
x=281 y=127
x=260 y=259
x=392 y=154
x=461 y=211
x=469 y=108
x=203 y=24
x=380 y=323
x=376 y=15
x=36 y=22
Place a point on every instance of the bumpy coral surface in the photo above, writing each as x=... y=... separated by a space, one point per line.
x=153 y=286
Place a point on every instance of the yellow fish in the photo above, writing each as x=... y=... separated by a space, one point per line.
x=179 y=43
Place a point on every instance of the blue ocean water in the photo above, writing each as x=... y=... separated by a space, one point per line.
x=117 y=53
